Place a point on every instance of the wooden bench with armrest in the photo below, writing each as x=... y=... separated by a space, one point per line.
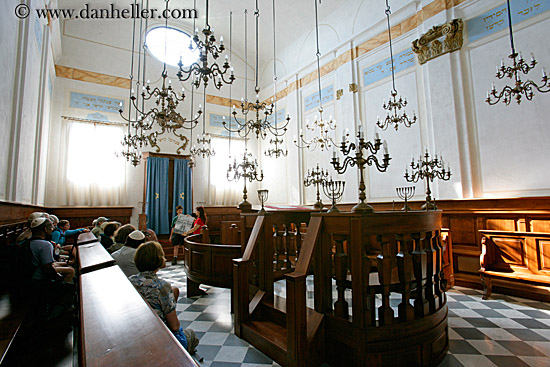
x=516 y=261
x=118 y=328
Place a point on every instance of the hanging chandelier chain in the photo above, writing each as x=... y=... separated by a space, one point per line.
x=257 y=15
x=510 y=28
x=318 y=54
x=388 y=13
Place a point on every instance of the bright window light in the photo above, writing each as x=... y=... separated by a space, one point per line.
x=170 y=44
x=218 y=166
x=91 y=155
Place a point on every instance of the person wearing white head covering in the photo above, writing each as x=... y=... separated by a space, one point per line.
x=125 y=255
x=27 y=233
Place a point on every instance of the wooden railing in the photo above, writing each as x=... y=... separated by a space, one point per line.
x=373 y=260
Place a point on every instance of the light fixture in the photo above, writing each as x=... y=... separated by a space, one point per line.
x=365 y=154
x=248 y=169
x=204 y=141
x=259 y=123
x=323 y=140
x=147 y=124
x=426 y=168
x=519 y=89
x=201 y=71
x=395 y=103
x=276 y=151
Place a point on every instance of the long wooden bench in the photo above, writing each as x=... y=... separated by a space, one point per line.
x=517 y=262
x=118 y=328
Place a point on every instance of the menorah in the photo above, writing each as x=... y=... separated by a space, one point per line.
x=316 y=177
x=262 y=195
x=405 y=193
x=334 y=190
x=248 y=169
x=361 y=160
x=428 y=169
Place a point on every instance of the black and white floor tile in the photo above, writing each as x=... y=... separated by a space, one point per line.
x=503 y=331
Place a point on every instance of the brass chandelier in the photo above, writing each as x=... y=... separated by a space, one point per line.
x=259 y=123
x=204 y=141
x=520 y=88
x=201 y=71
x=146 y=125
x=323 y=140
x=395 y=103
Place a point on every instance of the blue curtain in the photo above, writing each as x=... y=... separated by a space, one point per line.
x=182 y=186
x=157 y=195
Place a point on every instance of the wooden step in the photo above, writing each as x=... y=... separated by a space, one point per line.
x=275 y=311
x=268 y=337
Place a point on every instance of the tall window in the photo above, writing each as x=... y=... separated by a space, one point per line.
x=94 y=175
x=222 y=191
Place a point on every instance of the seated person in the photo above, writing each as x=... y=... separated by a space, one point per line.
x=97 y=226
x=125 y=255
x=63 y=230
x=28 y=233
x=162 y=298
x=109 y=229
x=120 y=237
x=42 y=254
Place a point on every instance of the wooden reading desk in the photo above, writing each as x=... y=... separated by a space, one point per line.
x=92 y=255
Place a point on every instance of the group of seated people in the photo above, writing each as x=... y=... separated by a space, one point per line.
x=49 y=261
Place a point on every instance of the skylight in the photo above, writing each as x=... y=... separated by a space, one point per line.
x=170 y=44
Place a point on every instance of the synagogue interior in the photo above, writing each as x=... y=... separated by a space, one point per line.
x=275 y=183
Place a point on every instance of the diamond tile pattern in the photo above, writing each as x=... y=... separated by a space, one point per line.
x=501 y=331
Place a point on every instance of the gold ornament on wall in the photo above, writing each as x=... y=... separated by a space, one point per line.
x=353 y=88
x=339 y=94
x=429 y=46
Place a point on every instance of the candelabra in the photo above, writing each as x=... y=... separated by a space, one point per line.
x=428 y=169
x=394 y=104
x=361 y=159
x=393 y=118
x=247 y=169
x=519 y=89
x=202 y=71
x=316 y=177
x=262 y=196
x=204 y=150
x=334 y=190
x=260 y=125
x=261 y=111
x=323 y=140
x=405 y=193
x=277 y=151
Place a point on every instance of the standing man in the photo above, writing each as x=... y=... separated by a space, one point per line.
x=180 y=224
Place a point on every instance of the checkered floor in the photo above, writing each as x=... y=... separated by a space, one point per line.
x=503 y=331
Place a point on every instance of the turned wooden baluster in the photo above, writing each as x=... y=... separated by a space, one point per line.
x=421 y=306
x=276 y=245
x=369 y=293
x=340 y=274
x=385 y=312
x=439 y=291
x=286 y=247
x=405 y=270
x=430 y=271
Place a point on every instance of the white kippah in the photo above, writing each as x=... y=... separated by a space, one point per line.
x=137 y=235
x=54 y=218
x=35 y=215
x=37 y=222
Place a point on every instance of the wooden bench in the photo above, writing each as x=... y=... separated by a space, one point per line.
x=118 y=328
x=91 y=254
x=518 y=262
